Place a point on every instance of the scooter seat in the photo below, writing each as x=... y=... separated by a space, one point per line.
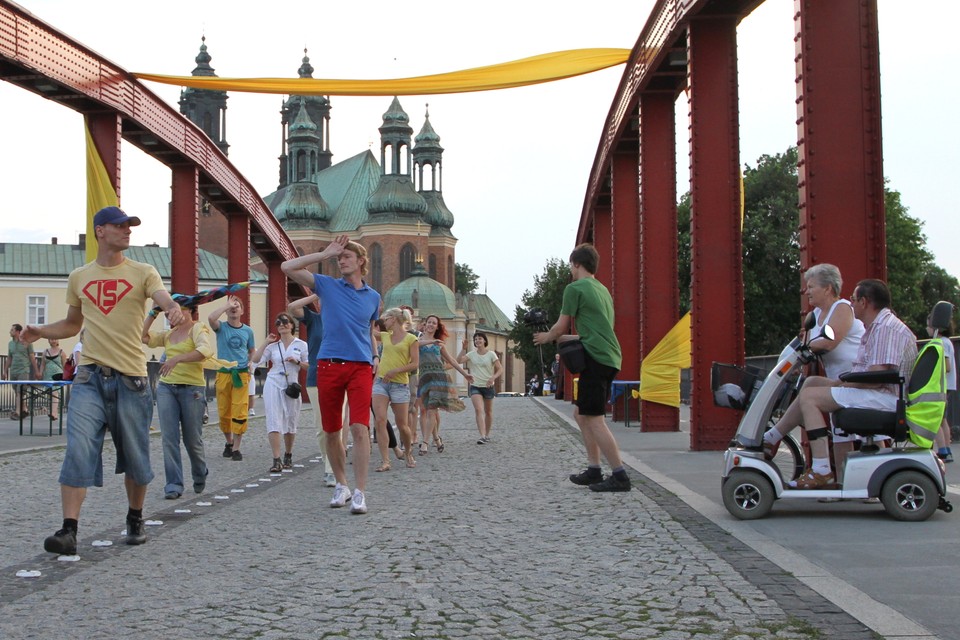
x=870 y=422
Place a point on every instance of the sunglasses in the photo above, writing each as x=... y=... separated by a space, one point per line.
x=281 y=321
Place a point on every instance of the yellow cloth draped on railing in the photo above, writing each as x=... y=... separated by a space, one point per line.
x=660 y=370
x=517 y=73
x=100 y=191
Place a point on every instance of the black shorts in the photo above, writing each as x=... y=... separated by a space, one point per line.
x=593 y=389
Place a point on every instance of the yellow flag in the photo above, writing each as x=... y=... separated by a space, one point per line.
x=100 y=192
x=660 y=370
x=546 y=67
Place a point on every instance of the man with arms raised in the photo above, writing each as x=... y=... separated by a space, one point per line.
x=235 y=341
x=348 y=309
x=108 y=298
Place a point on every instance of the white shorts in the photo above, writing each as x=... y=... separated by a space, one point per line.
x=861 y=399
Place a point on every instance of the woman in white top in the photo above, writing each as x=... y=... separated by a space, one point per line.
x=485 y=367
x=823 y=286
x=287 y=357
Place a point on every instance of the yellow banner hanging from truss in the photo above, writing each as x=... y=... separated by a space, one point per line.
x=546 y=67
x=660 y=370
x=100 y=192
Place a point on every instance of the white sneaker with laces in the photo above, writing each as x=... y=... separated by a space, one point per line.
x=341 y=496
x=359 y=504
x=329 y=480
x=252 y=412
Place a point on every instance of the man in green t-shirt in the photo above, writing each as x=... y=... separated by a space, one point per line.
x=589 y=304
x=21 y=365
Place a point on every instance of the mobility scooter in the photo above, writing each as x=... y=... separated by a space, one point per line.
x=909 y=480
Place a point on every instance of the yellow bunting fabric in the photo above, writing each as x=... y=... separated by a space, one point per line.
x=100 y=191
x=517 y=73
x=660 y=370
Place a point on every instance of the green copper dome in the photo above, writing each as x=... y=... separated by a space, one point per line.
x=424 y=294
x=302 y=201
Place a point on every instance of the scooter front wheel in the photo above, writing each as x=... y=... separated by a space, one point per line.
x=747 y=495
x=910 y=496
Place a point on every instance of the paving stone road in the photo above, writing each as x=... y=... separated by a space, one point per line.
x=484 y=541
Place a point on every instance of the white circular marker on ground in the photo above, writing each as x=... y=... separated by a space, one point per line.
x=102 y=543
x=236 y=490
x=73 y=558
x=288 y=471
x=252 y=485
x=221 y=497
x=204 y=504
x=26 y=573
x=181 y=510
x=153 y=523
x=298 y=466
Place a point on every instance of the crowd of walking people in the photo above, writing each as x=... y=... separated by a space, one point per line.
x=361 y=362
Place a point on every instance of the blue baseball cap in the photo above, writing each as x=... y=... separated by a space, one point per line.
x=113 y=215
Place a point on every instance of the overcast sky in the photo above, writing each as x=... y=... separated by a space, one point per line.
x=516 y=161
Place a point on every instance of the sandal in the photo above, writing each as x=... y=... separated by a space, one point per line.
x=383 y=467
x=424 y=449
x=411 y=463
x=439 y=443
x=277 y=466
x=397 y=451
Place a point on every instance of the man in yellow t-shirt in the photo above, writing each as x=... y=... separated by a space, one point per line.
x=107 y=297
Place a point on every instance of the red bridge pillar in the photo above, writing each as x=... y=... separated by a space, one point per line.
x=238 y=258
x=717 y=285
x=276 y=292
x=184 y=274
x=659 y=294
x=838 y=126
x=625 y=265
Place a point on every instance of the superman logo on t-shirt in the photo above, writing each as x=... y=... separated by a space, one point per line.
x=106 y=293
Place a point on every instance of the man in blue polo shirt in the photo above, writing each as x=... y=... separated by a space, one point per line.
x=348 y=310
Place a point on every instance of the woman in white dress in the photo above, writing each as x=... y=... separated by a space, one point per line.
x=286 y=356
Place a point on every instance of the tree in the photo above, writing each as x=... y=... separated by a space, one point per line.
x=465 y=280
x=909 y=264
x=547 y=294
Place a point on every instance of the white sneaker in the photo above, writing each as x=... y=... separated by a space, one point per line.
x=359 y=504
x=341 y=496
x=252 y=412
x=329 y=480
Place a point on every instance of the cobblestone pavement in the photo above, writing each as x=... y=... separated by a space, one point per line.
x=484 y=541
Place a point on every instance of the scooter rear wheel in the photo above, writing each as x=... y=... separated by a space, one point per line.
x=747 y=495
x=789 y=459
x=910 y=496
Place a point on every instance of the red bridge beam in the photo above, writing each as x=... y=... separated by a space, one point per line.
x=39 y=58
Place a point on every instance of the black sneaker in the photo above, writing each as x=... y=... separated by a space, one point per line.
x=237 y=455
x=612 y=483
x=587 y=477
x=288 y=461
x=135 y=534
x=228 y=450
x=63 y=542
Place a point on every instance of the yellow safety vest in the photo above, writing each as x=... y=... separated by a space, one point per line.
x=926 y=404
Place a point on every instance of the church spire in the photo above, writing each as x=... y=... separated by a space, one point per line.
x=206 y=108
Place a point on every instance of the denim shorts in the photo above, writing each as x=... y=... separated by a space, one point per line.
x=488 y=393
x=396 y=391
x=102 y=400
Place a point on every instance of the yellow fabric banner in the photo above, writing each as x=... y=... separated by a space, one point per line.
x=660 y=370
x=546 y=67
x=100 y=191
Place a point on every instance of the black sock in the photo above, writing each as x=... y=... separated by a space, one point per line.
x=134 y=514
x=594 y=469
x=70 y=523
x=620 y=474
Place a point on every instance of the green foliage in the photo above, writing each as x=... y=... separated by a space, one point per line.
x=547 y=294
x=909 y=263
x=464 y=279
x=771 y=252
x=771 y=257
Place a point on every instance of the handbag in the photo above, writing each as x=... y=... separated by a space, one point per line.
x=293 y=390
x=573 y=355
x=69 y=369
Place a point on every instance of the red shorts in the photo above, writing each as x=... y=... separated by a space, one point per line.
x=336 y=379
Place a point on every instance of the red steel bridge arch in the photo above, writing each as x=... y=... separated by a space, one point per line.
x=629 y=211
x=41 y=59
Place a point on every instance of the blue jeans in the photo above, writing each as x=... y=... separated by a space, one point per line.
x=181 y=406
x=102 y=400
